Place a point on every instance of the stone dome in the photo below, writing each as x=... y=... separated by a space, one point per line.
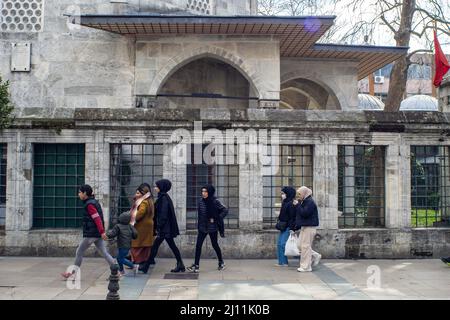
x=369 y=102
x=419 y=102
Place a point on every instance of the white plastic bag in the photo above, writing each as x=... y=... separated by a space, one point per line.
x=291 y=246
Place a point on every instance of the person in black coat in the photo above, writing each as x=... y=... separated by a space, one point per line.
x=166 y=226
x=210 y=222
x=285 y=223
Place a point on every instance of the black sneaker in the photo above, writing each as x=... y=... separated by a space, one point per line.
x=445 y=260
x=194 y=268
x=221 y=266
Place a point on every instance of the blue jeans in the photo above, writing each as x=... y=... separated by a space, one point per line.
x=121 y=260
x=282 y=239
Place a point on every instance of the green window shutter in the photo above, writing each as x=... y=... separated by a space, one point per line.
x=58 y=171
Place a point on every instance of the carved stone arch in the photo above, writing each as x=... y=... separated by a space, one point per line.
x=221 y=54
x=328 y=84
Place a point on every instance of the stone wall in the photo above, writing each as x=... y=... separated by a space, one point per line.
x=325 y=130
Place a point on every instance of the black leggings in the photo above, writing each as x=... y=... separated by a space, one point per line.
x=172 y=246
x=198 y=247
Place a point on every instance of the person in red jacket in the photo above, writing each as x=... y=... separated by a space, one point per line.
x=93 y=228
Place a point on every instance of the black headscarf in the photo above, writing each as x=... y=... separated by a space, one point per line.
x=211 y=209
x=290 y=195
x=164 y=186
x=289 y=192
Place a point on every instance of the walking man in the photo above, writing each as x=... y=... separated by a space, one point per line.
x=93 y=228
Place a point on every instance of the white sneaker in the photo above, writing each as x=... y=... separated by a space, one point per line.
x=316 y=260
x=135 y=269
x=304 y=270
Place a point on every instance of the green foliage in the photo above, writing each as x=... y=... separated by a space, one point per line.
x=6 y=106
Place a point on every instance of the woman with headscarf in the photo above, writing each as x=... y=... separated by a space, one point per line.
x=142 y=213
x=166 y=226
x=285 y=223
x=307 y=220
x=209 y=222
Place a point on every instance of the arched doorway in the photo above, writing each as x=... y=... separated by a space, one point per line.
x=206 y=82
x=305 y=94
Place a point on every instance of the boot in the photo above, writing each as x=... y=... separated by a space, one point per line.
x=179 y=268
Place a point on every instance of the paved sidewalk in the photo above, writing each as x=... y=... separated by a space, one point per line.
x=39 y=278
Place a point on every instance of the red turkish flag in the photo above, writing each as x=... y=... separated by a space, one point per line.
x=440 y=62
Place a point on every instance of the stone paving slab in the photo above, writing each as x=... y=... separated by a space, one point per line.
x=39 y=278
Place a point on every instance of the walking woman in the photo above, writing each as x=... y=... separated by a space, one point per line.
x=93 y=229
x=307 y=219
x=285 y=223
x=142 y=214
x=166 y=226
x=210 y=222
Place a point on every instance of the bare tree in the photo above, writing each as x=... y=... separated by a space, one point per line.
x=406 y=20
x=301 y=8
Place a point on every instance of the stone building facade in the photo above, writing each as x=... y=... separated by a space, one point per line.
x=108 y=84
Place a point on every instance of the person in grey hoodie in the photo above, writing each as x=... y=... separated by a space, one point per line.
x=125 y=233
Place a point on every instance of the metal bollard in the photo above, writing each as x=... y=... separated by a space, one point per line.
x=113 y=286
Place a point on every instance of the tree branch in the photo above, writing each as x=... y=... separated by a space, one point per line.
x=417 y=51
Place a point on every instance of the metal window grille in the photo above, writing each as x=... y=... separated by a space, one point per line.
x=224 y=177
x=430 y=186
x=58 y=171
x=361 y=182
x=132 y=165
x=3 y=157
x=295 y=170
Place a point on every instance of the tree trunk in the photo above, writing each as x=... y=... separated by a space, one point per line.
x=399 y=73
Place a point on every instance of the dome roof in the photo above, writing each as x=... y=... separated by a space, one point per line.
x=419 y=102
x=368 y=102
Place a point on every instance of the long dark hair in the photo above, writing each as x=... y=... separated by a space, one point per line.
x=144 y=189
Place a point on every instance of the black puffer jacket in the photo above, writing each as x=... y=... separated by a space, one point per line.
x=124 y=231
x=89 y=227
x=165 y=218
x=211 y=208
x=287 y=211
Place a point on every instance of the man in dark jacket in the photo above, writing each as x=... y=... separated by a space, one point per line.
x=210 y=222
x=307 y=219
x=125 y=233
x=93 y=228
x=166 y=226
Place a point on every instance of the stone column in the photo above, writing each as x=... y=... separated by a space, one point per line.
x=19 y=192
x=250 y=197
x=398 y=185
x=97 y=161
x=177 y=174
x=325 y=183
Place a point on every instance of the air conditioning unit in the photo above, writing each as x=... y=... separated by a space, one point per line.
x=379 y=79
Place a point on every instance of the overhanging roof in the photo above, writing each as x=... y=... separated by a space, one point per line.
x=370 y=58
x=298 y=35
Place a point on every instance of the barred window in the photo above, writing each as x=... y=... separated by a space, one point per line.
x=224 y=177
x=132 y=165
x=3 y=157
x=430 y=186
x=361 y=186
x=58 y=171
x=295 y=170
